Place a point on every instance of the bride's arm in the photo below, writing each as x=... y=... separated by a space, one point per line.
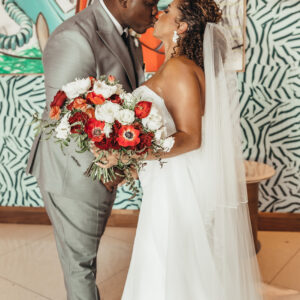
x=181 y=90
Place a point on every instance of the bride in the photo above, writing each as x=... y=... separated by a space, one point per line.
x=194 y=239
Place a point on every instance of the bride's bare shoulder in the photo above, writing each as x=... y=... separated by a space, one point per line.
x=181 y=63
x=181 y=72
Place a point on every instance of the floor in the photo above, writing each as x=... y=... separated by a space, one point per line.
x=30 y=269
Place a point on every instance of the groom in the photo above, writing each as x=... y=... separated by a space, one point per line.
x=92 y=43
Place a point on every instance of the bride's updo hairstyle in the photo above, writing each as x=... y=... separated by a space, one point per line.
x=196 y=13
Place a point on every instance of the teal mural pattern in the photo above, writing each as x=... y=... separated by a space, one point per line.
x=270 y=113
x=20 y=97
x=270 y=101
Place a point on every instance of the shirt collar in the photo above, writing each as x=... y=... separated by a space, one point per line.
x=114 y=20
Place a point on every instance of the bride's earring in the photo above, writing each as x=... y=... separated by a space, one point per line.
x=175 y=36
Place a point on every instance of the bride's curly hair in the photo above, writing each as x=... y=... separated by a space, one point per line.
x=196 y=13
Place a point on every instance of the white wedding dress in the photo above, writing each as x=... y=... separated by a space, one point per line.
x=193 y=239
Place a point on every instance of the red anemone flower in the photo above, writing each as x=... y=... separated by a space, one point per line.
x=128 y=136
x=94 y=130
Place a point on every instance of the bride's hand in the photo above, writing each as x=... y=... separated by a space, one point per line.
x=110 y=159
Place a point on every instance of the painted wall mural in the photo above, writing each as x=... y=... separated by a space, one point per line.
x=270 y=112
x=270 y=102
x=24 y=29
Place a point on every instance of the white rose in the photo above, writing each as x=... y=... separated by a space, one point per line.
x=125 y=116
x=64 y=128
x=71 y=90
x=83 y=85
x=154 y=120
x=76 y=88
x=168 y=144
x=100 y=87
x=107 y=112
x=107 y=129
x=160 y=134
x=129 y=99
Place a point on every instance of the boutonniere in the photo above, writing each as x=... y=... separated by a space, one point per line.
x=135 y=36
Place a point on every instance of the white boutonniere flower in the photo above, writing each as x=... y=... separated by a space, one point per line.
x=135 y=36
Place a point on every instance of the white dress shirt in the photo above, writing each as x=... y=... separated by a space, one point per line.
x=114 y=20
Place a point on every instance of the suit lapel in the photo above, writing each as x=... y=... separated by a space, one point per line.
x=112 y=39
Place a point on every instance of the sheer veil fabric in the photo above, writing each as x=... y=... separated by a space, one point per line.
x=194 y=238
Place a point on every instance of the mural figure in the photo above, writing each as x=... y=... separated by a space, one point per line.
x=24 y=29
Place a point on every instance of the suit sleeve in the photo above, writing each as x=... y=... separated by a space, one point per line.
x=68 y=55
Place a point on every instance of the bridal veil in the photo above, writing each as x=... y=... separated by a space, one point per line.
x=215 y=250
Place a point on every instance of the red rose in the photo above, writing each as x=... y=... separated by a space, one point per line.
x=116 y=99
x=70 y=106
x=146 y=142
x=104 y=144
x=108 y=143
x=138 y=126
x=146 y=139
x=116 y=126
x=142 y=109
x=95 y=98
x=128 y=136
x=94 y=130
x=78 y=117
x=59 y=99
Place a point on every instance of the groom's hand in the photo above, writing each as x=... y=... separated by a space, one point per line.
x=111 y=185
x=110 y=159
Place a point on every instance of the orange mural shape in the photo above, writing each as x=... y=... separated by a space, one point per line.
x=153 y=51
x=81 y=5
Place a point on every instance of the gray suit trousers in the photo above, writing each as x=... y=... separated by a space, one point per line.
x=78 y=227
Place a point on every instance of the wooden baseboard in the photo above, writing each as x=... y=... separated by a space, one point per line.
x=129 y=218
x=24 y=215
x=38 y=215
x=279 y=221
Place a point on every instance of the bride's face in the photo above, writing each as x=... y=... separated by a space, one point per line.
x=166 y=23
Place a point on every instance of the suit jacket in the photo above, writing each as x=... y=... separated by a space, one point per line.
x=88 y=44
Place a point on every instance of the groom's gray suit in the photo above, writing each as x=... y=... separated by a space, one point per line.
x=87 y=44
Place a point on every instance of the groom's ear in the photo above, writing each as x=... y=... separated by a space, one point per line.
x=123 y=3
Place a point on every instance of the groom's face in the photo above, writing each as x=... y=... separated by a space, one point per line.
x=140 y=14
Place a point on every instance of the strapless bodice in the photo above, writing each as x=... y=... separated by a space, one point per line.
x=145 y=93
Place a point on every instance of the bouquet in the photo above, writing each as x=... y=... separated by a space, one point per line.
x=99 y=114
